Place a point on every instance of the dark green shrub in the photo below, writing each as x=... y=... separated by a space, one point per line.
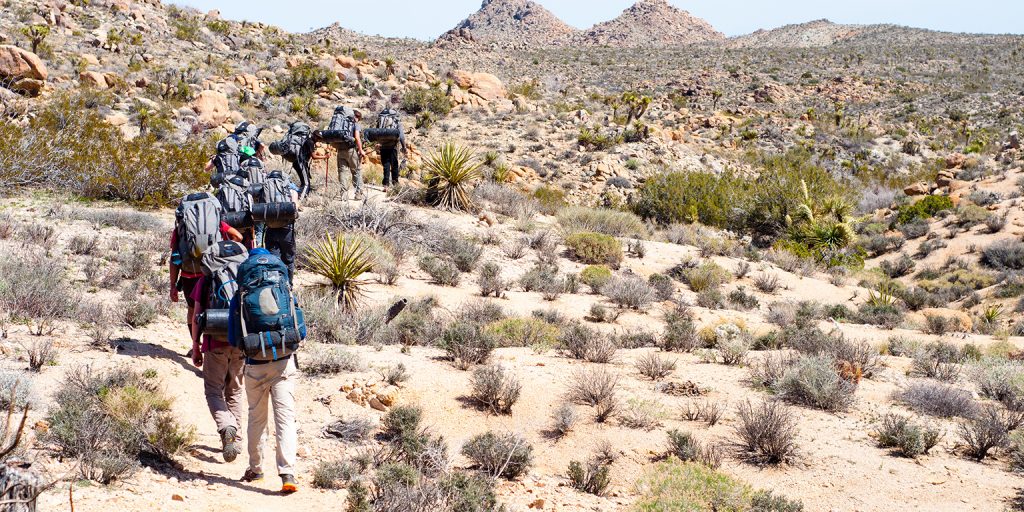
x=595 y=277
x=691 y=197
x=306 y=79
x=907 y=437
x=926 y=208
x=432 y=100
x=592 y=478
x=595 y=248
x=467 y=344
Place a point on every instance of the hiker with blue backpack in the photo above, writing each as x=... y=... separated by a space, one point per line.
x=222 y=364
x=266 y=323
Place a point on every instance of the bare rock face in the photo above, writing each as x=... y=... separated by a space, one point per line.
x=651 y=24
x=477 y=88
x=511 y=24
x=211 y=107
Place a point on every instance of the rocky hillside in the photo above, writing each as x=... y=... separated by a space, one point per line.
x=511 y=24
x=651 y=23
x=812 y=34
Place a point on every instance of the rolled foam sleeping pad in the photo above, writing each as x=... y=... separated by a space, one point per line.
x=215 y=322
x=238 y=220
x=217 y=179
x=382 y=136
x=275 y=215
x=278 y=148
x=330 y=136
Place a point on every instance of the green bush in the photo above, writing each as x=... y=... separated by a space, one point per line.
x=550 y=199
x=432 y=100
x=595 y=248
x=577 y=219
x=676 y=485
x=525 y=332
x=691 y=197
x=596 y=276
x=500 y=455
x=306 y=79
x=924 y=209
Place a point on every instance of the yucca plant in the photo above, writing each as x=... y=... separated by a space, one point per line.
x=449 y=171
x=885 y=296
x=342 y=261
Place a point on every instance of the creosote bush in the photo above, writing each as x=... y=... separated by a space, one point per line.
x=594 y=248
x=814 y=381
x=629 y=292
x=654 y=366
x=500 y=455
x=685 y=447
x=467 y=344
x=592 y=478
x=581 y=342
x=935 y=399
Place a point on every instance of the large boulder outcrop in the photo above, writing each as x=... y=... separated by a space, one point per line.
x=22 y=70
x=211 y=107
x=477 y=88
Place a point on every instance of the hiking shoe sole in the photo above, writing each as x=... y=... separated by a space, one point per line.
x=288 y=484
x=230 y=445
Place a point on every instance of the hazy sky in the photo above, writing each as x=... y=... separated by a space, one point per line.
x=426 y=19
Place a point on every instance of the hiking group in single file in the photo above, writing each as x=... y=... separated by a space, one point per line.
x=233 y=260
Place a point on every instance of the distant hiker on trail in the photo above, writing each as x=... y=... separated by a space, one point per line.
x=198 y=226
x=222 y=363
x=344 y=135
x=276 y=206
x=248 y=137
x=297 y=147
x=267 y=324
x=389 y=135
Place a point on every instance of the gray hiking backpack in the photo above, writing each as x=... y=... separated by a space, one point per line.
x=198 y=228
x=389 y=119
x=220 y=266
x=276 y=189
x=227 y=160
x=234 y=195
x=344 y=123
x=291 y=146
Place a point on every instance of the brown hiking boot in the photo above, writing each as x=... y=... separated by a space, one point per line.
x=252 y=476
x=229 y=445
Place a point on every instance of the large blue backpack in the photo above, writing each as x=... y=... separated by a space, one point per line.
x=271 y=322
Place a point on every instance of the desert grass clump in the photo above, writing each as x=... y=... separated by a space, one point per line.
x=342 y=261
x=576 y=219
x=935 y=399
x=495 y=388
x=594 y=248
x=815 y=382
x=441 y=271
x=530 y=332
x=905 y=436
x=320 y=359
x=594 y=477
x=629 y=292
x=449 y=172
x=500 y=455
x=395 y=375
x=563 y=420
x=685 y=447
x=467 y=344
x=655 y=367
x=708 y=276
x=84 y=245
x=109 y=421
x=988 y=429
x=581 y=342
x=641 y=414
x=677 y=485
x=767 y=432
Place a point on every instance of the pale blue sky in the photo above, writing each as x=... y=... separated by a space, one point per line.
x=426 y=19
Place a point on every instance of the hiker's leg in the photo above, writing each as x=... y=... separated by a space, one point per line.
x=357 y=172
x=259 y=233
x=257 y=394
x=283 y=393
x=275 y=240
x=235 y=383
x=286 y=249
x=394 y=166
x=303 y=173
x=215 y=377
x=389 y=161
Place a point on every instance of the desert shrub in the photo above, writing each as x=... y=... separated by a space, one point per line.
x=680 y=334
x=767 y=283
x=705 y=277
x=676 y=485
x=40 y=353
x=926 y=208
x=577 y=219
x=706 y=410
x=525 y=332
x=15 y=389
x=655 y=367
x=708 y=198
x=138 y=312
x=1004 y=255
x=467 y=344
x=898 y=267
x=581 y=342
x=432 y=99
x=595 y=277
x=543 y=278
x=441 y=271
x=320 y=359
x=986 y=430
x=936 y=399
x=629 y=292
x=500 y=455
x=351 y=429
x=767 y=431
x=342 y=260
x=641 y=414
x=592 y=478
x=563 y=420
x=915 y=229
x=885 y=315
x=305 y=79
x=908 y=438
x=815 y=342
x=970 y=215
x=464 y=253
x=495 y=388
x=938 y=361
x=107 y=421
x=401 y=421
x=1001 y=380
x=995 y=223
x=685 y=447
x=490 y=280
x=68 y=146
x=33 y=288
x=84 y=245
x=332 y=474
x=395 y=375
x=592 y=386
x=740 y=299
x=766 y=501
x=594 y=248
x=662 y=285
x=515 y=249
x=815 y=382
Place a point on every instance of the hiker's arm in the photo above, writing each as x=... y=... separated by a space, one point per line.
x=233 y=234
x=197 y=353
x=174 y=281
x=209 y=165
x=401 y=139
x=359 y=144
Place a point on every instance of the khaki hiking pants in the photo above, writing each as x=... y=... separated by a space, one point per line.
x=222 y=380
x=350 y=170
x=266 y=383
